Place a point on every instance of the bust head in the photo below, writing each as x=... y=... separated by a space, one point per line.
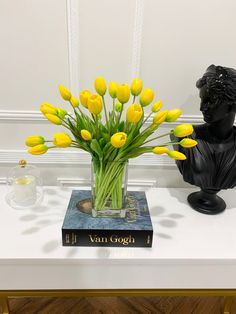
x=217 y=90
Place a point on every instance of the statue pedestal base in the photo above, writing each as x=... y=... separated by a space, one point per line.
x=207 y=202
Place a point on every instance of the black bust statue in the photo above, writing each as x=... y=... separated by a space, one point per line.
x=211 y=164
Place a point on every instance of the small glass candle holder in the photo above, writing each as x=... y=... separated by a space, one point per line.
x=24 y=186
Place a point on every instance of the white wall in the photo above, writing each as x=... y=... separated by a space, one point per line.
x=169 y=44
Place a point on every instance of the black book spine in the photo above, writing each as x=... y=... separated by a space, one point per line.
x=112 y=238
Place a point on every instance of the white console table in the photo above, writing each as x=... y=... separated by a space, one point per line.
x=192 y=253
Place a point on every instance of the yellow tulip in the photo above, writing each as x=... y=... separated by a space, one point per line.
x=100 y=86
x=123 y=93
x=118 y=106
x=160 y=150
x=94 y=104
x=61 y=113
x=187 y=142
x=176 y=155
x=65 y=93
x=136 y=86
x=83 y=96
x=157 y=106
x=38 y=149
x=86 y=135
x=61 y=140
x=173 y=115
x=53 y=118
x=32 y=141
x=134 y=113
x=113 y=86
x=160 y=117
x=118 y=139
x=74 y=101
x=48 y=108
x=146 y=97
x=183 y=130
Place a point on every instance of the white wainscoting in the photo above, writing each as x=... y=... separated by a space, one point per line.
x=72 y=167
x=163 y=51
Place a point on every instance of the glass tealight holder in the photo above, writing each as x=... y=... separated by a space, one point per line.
x=24 y=186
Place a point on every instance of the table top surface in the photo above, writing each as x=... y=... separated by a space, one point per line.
x=180 y=233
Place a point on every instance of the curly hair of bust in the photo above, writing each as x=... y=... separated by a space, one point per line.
x=220 y=82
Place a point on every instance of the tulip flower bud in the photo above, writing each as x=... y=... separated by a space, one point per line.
x=123 y=93
x=176 y=155
x=32 y=141
x=160 y=150
x=146 y=97
x=118 y=106
x=134 y=113
x=83 y=96
x=61 y=113
x=61 y=140
x=53 y=118
x=173 y=115
x=187 y=142
x=157 y=106
x=118 y=139
x=94 y=104
x=86 y=135
x=113 y=86
x=136 y=86
x=38 y=149
x=100 y=86
x=48 y=108
x=160 y=117
x=74 y=101
x=65 y=93
x=183 y=130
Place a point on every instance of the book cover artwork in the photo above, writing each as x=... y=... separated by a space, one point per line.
x=81 y=229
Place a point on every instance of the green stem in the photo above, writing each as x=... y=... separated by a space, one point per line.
x=96 y=126
x=146 y=119
x=71 y=117
x=169 y=143
x=109 y=184
x=118 y=122
x=104 y=105
x=65 y=126
x=82 y=114
x=134 y=99
x=155 y=138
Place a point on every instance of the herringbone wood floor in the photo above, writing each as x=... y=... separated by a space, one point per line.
x=119 y=305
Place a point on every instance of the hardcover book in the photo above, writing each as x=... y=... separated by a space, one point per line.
x=81 y=229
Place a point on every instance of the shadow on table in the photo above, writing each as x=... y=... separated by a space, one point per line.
x=164 y=220
x=182 y=194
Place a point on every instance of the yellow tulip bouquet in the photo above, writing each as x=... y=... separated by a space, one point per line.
x=110 y=139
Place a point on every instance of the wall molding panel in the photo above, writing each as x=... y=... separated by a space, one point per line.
x=71 y=158
x=85 y=182
x=137 y=38
x=21 y=116
x=32 y=116
x=3 y=180
x=73 y=43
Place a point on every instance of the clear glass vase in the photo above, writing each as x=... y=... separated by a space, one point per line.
x=109 y=187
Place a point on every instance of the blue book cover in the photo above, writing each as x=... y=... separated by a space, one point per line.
x=81 y=229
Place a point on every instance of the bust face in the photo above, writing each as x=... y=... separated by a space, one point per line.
x=212 y=110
